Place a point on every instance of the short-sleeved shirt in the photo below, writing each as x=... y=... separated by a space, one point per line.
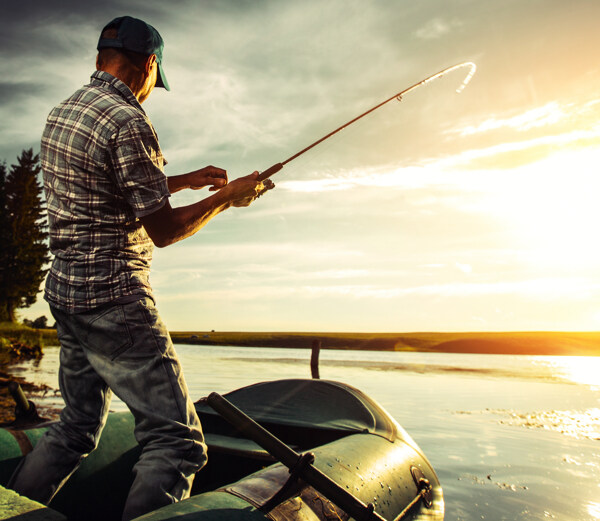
x=103 y=171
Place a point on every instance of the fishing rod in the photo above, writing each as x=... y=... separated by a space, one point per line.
x=278 y=166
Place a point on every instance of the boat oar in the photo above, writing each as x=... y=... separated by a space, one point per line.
x=299 y=465
x=26 y=413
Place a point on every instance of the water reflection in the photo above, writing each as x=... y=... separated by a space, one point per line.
x=504 y=433
x=594 y=509
x=577 y=424
x=578 y=369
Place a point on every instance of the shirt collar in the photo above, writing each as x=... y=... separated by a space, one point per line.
x=106 y=80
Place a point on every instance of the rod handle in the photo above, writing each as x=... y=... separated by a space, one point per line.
x=270 y=171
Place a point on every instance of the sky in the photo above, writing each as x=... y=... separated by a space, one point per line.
x=475 y=211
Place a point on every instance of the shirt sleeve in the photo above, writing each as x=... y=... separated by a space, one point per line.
x=137 y=163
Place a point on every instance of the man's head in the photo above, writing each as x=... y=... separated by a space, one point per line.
x=133 y=48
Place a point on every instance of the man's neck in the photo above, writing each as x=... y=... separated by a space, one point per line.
x=128 y=76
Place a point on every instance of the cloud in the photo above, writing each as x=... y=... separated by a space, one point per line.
x=359 y=219
x=436 y=28
x=375 y=177
x=549 y=114
x=577 y=288
x=250 y=259
x=465 y=268
x=511 y=154
x=574 y=289
x=464 y=169
x=15 y=92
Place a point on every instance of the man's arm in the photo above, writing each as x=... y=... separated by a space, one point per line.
x=209 y=175
x=169 y=225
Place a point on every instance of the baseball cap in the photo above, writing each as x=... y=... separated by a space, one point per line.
x=137 y=36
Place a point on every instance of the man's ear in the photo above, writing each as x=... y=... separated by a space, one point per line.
x=150 y=62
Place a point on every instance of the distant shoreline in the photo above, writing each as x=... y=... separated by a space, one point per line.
x=549 y=343
x=510 y=343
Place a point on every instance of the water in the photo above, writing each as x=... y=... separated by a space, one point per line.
x=511 y=437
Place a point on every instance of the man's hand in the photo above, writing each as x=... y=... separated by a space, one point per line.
x=211 y=176
x=268 y=185
x=243 y=190
x=168 y=225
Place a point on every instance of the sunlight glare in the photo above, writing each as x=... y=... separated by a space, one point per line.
x=593 y=509
x=551 y=207
x=537 y=117
x=578 y=369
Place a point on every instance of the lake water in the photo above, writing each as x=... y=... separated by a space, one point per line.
x=511 y=437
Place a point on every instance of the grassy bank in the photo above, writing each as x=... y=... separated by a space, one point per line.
x=15 y=338
x=16 y=343
x=522 y=343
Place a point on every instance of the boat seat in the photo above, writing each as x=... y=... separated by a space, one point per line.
x=303 y=412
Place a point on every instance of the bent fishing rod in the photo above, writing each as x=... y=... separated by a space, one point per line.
x=263 y=176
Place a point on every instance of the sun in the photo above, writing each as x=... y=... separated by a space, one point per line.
x=551 y=209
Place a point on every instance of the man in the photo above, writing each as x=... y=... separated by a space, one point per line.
x=108 y=203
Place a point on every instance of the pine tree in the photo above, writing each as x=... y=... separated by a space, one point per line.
x=5 y=244
x=24 y=246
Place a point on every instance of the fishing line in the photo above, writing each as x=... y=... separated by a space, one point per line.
x=399 y=96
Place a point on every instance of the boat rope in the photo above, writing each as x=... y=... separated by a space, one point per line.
x=424 y=492
x=22 y=440
x=331 y=512
x=408 y=507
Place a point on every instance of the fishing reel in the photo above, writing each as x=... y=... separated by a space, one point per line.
x=268 y=185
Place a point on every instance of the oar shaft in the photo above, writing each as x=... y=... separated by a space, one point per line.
x=290 y=458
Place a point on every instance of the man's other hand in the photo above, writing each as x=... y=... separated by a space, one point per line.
x=210 y=175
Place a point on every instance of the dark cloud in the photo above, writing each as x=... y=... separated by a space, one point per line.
x=42 y=10
x=16 y=92
x=257 y=76
x=71 y=11
x=54 y=28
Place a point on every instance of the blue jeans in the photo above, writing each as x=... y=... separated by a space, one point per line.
x=125 y=349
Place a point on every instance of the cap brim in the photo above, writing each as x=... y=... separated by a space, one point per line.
x=161 y=79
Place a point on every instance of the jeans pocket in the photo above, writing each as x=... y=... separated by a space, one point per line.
x=108 y=333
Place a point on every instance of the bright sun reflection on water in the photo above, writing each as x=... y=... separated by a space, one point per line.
x=578 y=369
x=594 y=510
x=578 y=423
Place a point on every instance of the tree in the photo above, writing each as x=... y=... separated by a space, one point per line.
x=5 y=242
x=23 y=232
x=38 y=323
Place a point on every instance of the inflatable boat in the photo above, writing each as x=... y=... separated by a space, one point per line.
x=280 y=450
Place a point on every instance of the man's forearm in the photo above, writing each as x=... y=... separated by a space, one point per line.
x=189 y=219
x=178 y=182
x=170 y=225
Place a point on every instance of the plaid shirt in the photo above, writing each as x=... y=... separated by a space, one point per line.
x=103 y=170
